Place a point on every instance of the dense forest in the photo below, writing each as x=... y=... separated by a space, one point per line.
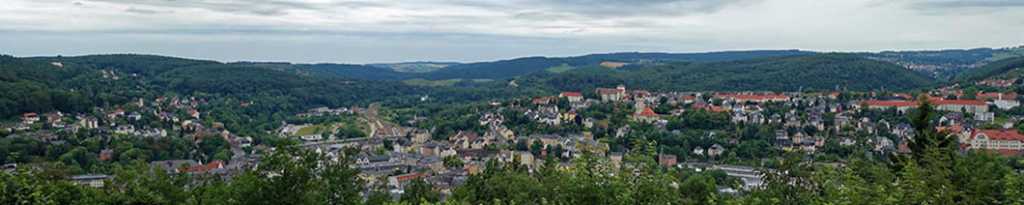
x=816 y=72
x=992 y=69
x=80 y=83
x=504 y=69
x=76 y=84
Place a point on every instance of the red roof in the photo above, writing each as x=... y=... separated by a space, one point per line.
x=890 y=103
x=30 y=114
x=951 y=129
x=411 y=176
x=648 y=112
x=751 y=97
x=542 y=100
x=1009 y=135
x=717 y=109
x=572 y=94
x=996 y=96
x=216 y=164
x=959 y=102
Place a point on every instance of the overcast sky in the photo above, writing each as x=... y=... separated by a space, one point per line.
x=366 y=31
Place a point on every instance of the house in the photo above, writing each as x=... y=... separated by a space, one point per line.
x=615 y=158
x=420 y=136
x=698 y=151
x=687 y=99
x=399 y=181
x=525 y=158
x=467 y=140
x=1005 y=142
x=569 y=116
x=54 y=118
x=899 y=105
x=647 y=115
x=88 y=122
x=215 y=166
x=715 y=150
x=91 y=180
x=106 y=154
x=544 y=100
x=752 y=97
x=491 y=119
x=116 y=113
x=193 y=113
x=985 y=116
x=612 y=94
x=1003 y=101
x=550 y=118
x=430 y=149
x=29 y=118
x=643 y=96
x=368 y=159
x=172 y=166
x=573 y=97
x=124 y=129
x=667 y=160
x=970 y=106
x=1000 y=83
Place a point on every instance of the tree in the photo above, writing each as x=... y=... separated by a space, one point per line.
x=452 y=162
x=341 y=180
x=536 y=147
x=419 y=191
x=698 y=189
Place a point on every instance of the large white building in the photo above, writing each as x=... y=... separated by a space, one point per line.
x=1005 y=142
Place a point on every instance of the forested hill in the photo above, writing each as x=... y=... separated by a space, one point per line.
x=506 y=69
x=946 y=64
x=940 y=64
x=77 y=84
x=815 y=72
x=991 y=69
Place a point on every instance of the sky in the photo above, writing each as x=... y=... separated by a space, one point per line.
x=374 y=31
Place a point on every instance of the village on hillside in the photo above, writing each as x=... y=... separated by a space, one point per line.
x=531 y=131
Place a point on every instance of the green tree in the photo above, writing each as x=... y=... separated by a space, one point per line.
x=419 y=191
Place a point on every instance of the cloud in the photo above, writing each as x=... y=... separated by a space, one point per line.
x=392 y=30
x=144 y=11
x=954 y=4
x=619 y=8
x=256 y=7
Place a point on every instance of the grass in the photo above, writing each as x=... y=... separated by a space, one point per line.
x=355 y=123
x=309 y=130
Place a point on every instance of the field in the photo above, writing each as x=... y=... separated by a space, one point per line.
x=312 y=129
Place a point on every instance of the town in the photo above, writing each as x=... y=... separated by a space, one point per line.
x=728 y=132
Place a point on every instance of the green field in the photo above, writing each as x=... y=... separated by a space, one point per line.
x=312 y=129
